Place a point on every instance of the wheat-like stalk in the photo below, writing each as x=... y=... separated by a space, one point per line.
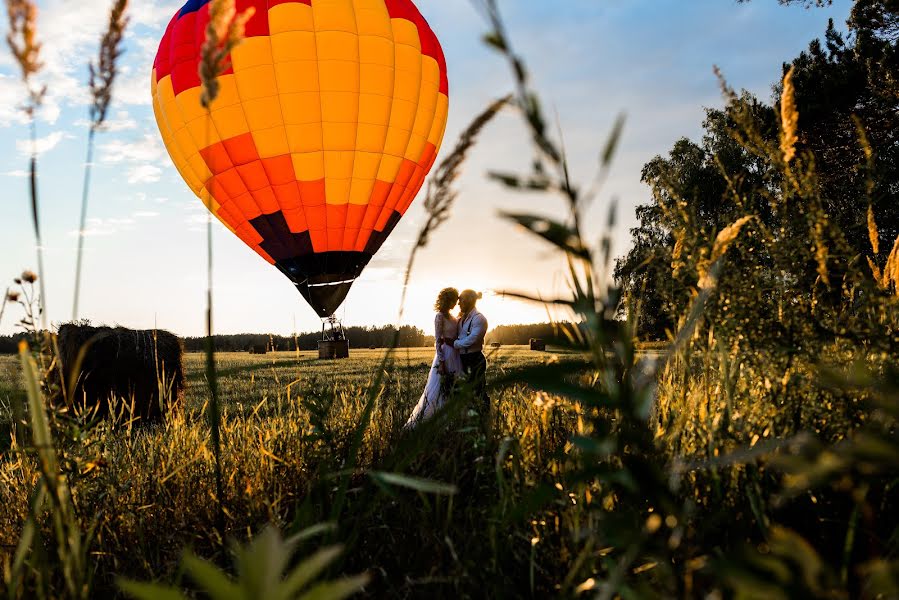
x=226 y=30
x=22 y=41
x=789 y=119
x=101 y=80
x=873 y=234
x=723 y=241
x=821 y=252
x=891 y=269
x=104 y=72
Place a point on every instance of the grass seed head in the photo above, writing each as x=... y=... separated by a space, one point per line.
x=873 y=234
x=891 y=270
x=28 y=276
x=226 y=30
x=22 y=36
x=104 y=72
x=789 y=119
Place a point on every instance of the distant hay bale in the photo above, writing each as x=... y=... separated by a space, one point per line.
x=496 y=345
x=538 y=345
x=125 y=373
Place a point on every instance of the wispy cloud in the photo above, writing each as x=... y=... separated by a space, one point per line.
x=42 y=144
x=16 y=173
x=144 y=174
x=146 y=149
x=105 y=227
x=122 y=121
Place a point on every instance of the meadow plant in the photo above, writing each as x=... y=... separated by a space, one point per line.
x=102 y=76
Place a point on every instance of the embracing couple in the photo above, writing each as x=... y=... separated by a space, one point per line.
x=459 y=356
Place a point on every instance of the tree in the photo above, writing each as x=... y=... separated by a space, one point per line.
x=842 y=88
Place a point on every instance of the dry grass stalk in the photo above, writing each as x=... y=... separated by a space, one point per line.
x=821 y=252
x=875 y=270
x=22 y=41
x=873 y=234
x=789 y=119
x=104 y=72
x=226 y=30
x=727 y=236
x=723 y=241
x=101 y=80
x=891 y=270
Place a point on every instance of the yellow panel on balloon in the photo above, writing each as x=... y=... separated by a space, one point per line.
x=297 y=76
x=263 y=113
x=440 y=116
x=257 y=82
x=290 y=16
x=230 y=121
x=376 y=50
x=360 y=191
x=203 y=131
x=307 y=137
x=372 y=19
x=293 y=45
x=389 y=167
x=336 y=45
x=337 y=191
x=339 y=136
x=405 y=32
x=309 y=166
x=189 y=105
x=374 y=109
x=301 y=108
x=334 y=15
x=371 y=138
x=271 y=142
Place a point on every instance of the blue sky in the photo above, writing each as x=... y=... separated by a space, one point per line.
x=145 y=254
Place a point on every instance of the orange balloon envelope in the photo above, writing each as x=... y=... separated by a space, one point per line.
x=326 y=124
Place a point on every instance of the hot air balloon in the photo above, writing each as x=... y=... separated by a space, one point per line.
x=326 y=124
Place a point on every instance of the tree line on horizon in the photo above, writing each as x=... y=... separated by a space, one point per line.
x=359 y=337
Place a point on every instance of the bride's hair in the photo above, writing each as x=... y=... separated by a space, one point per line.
x=446 y=300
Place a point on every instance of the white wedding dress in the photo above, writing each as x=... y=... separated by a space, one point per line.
x=434 y=396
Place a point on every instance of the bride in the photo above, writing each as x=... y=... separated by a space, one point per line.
x=446 y=366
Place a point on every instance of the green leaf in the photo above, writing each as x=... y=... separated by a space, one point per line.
x=337 y=590
x=216 y=583
x=308 y=570
x=310 y=532
x=149 y=591
x=261 y=564
x=425 y=486
x=555 y=233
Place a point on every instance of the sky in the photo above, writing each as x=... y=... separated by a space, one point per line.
x=145 y=245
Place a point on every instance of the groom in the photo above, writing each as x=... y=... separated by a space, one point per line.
x=470 y=344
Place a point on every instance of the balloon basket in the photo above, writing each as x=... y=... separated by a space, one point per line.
x=333 y=344
x=333 y=350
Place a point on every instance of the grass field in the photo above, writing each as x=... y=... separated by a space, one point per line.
x=288 y=429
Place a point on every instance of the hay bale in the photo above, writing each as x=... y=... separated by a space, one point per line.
x=538 y=345
x=127 y=373
x=496 y=345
